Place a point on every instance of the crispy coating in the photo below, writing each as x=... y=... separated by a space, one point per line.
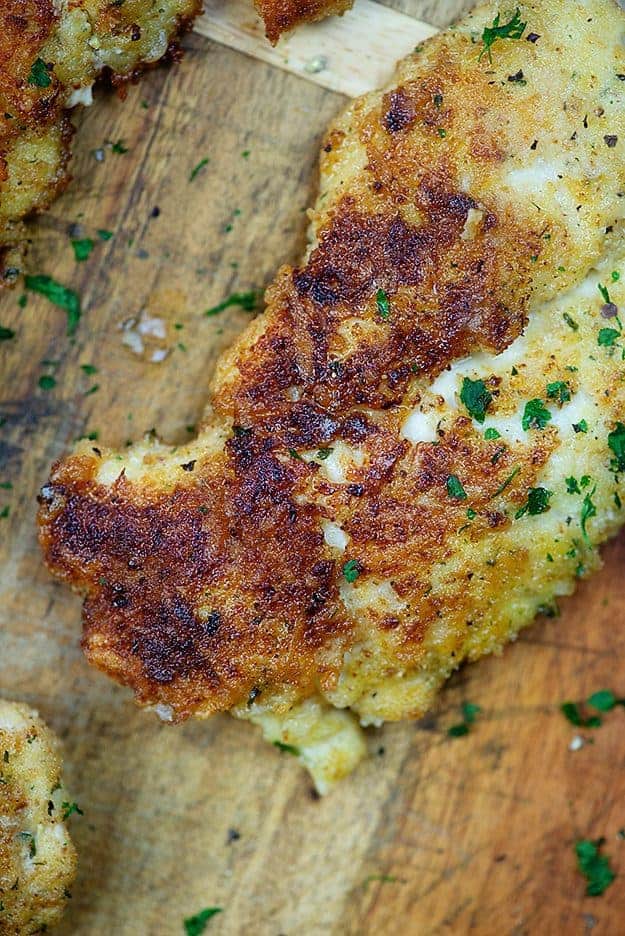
x=379 y=490
x=282 y=16
x=50 y=55
x=37 y=858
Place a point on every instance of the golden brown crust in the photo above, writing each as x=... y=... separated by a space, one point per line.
x=282 y=16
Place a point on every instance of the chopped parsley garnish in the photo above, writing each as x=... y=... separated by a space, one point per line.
x=455 y=488
x=476 y=398
x=384 y=309
x=88 y=369
x=197 y=169
x=6 y=333
x=119 y=147
x=59 y=295
x=594 y=866
x=93 y=389
x=351 y=570
x=469 y=712
x=324 y=453
x=589 y=509
x=608 y=337
x=39 y=74
x=195 y=925
x=603 y=700
x=4 y=513
x=287 y=748
x=513 y=29
x=69 y=809
x=572 y=485
x=535 y=415
x=570 y=321
x=104 y=235
x=559 y=390
x=573 y=714
x=537 y=502
x=47 y=382
x=502 y=487
x=604 y=292
x=616 y=442
x=82 y=248
x=246 y=300
x=492 y=434
x=581 y=426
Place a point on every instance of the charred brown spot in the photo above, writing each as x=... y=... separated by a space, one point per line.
x=400 y=111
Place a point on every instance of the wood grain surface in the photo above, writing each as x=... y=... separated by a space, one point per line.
x=433 y=835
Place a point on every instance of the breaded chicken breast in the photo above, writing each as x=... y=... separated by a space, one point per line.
x=37 y=858
x=421 y=443
x=51 y=52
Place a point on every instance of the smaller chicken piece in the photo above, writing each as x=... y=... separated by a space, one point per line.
x=37 y=857
x=281 y=16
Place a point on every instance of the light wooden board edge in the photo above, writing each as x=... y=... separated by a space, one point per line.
x=350 y=54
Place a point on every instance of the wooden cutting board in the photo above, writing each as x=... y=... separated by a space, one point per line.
x=433 y=834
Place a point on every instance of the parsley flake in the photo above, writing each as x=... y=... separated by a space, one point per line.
x=384 y=309
x=195 y=925
x=69 y=809
x=82 y=248
x=47 y=382
x=513 y=29
x=607 y=337
x=351 y=570
x=535 y=415
x=197 y=169
x=559 y=390
x=455 y=488
x=59 y=295
x=246 y=300
x=616 y=442
x=594 y=866
x=589 y=509
x=603 y=700
x=39 y=74
x=469 y=713
x=537 y=502
x=476 y=398
x=6 y=333
x=287 y=748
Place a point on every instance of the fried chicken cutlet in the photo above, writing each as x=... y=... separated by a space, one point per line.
x=51 y=52
x=37 y=858
x=421 y=442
